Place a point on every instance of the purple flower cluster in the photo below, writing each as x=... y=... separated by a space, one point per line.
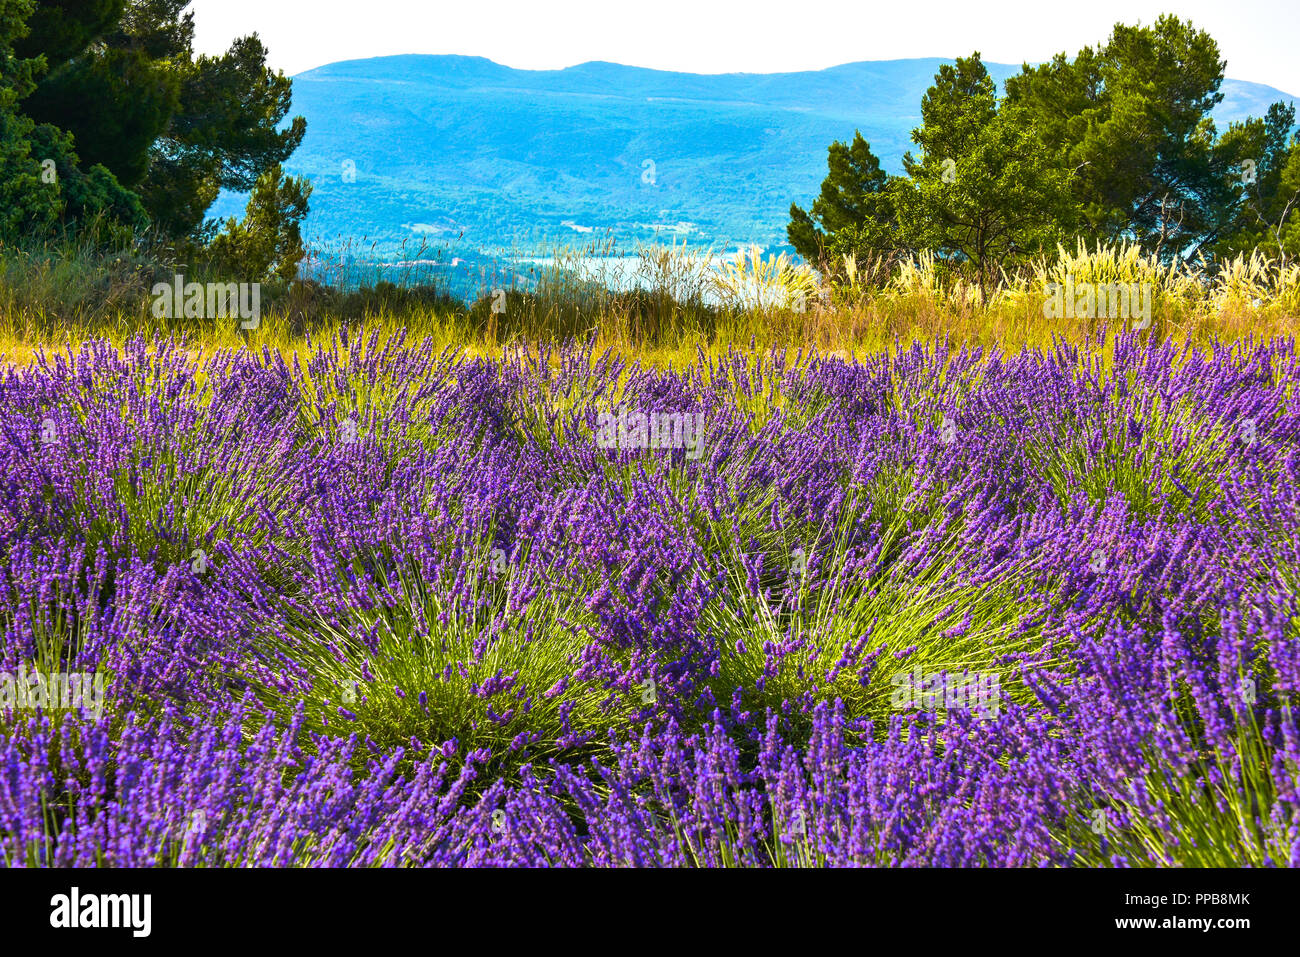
x=384 y=606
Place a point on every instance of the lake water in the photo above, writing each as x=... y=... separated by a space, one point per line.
x=471 y=275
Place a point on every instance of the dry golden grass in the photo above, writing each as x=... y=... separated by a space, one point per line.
x=686 y=301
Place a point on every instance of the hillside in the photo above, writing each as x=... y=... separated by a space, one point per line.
x=524 y=159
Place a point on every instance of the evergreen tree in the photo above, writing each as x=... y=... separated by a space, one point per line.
x=985 y=190
x=853 y=213
x=1133 y=118
x=122 y=79
x=43 y=185
x=267 y=244
x=114 y=98
x=25 y=202
x=1263 y=158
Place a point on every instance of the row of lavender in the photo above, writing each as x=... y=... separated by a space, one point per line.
x=385 y=606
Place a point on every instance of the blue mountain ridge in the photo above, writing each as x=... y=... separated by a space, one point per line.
x=424 y=148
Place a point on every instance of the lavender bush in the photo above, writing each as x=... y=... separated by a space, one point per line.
x=382 y=606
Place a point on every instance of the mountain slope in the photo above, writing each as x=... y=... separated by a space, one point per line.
x=523 y=159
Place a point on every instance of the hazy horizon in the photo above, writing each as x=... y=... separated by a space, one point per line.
x=478 y=56
x=759 y=36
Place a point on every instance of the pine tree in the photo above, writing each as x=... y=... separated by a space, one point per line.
x=1134 y=119
x=853 y=210
x=26 y=203
x=984 y=191
x=268 y=242
x=123 y=81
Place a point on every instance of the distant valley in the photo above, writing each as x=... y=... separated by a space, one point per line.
x=463 y=153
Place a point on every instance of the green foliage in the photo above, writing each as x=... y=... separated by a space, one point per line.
x=268 y=242
x=135 y=125
x=24 y=205
x=114 y=98
x=1116 y=144
x=225 y=134
x=854 y=213
x=42 y=183
x=94 y=203
x=985 y=189
x=1133 y=119
x=131 y=96
x=59 y=30
x=1269 y=210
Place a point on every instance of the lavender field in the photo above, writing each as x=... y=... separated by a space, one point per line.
x=379 y=605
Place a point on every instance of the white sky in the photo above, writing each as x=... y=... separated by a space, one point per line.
x=1260 y=39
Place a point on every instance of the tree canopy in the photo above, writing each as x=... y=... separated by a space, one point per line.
x=107 y=116
x=1116 y=143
